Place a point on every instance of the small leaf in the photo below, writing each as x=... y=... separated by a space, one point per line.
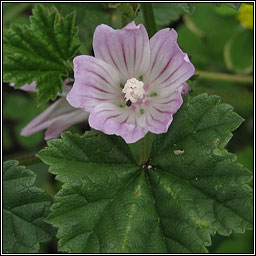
x=190 y=189
x=41 y=51
x=24 y=209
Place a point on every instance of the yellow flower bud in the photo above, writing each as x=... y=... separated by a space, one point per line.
x=245 y=16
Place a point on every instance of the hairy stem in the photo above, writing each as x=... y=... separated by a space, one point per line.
x=149 y=18
x=142 y=148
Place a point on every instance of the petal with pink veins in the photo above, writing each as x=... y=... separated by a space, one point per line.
x=56 y=118
x=169 y=65
x=127 y=49
x=95 y=82
x=113 y=119
x=157 y=114
x=122 y=56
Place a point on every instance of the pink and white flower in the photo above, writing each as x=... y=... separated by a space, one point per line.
x=133 y=85
x=57 y=117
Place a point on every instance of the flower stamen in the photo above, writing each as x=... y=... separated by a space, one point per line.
x=133 y=90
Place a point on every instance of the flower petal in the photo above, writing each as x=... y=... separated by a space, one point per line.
x=158 y=111
x=169 y=66
x=95 y=82
x=127 y=50
x=185 y=88
x=64 y=121
x=27 y=87
x=56 y=118
x=112 y=119
x=66 y=88
x=32 y=87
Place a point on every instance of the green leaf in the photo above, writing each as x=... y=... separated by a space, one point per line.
x=198 y=181
x=231 y=93
x=12 y=12
x=88 y=17
x=165 y=13
x=194 y=46
x=212 y=36
x=41 y=51
x=245 y=157
x=217 y=4
x=226 y=11
x=235 y=59
x=190 y=189
x=20 y=109
x=24 y=209
x=187 y=7
x=129 y=11
x=235 y=6
x=236 y=243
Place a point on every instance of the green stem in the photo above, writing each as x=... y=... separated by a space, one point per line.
x=225 y=77
x=142 y=148
x=24 y=159
x=149 y=18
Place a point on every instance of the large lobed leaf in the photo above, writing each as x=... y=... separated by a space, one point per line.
x=190 y=189
x=41 y=51
x=24 y=209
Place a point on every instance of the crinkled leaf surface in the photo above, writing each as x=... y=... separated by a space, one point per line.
x=24 y=209
x=41 y=51
x=191 y=189
x=88 y=16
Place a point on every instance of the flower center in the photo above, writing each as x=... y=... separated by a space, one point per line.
x=133 y=90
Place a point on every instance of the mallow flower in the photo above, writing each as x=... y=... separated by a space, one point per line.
x=133 y=85
x=57 y=117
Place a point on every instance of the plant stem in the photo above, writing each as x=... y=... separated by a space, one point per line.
x=26 y=159
x=142 y=148
x=149 y=18
x=225 y=77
